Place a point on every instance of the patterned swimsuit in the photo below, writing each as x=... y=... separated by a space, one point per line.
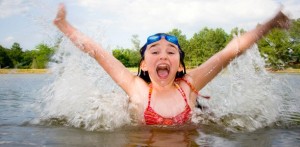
x=153 y=118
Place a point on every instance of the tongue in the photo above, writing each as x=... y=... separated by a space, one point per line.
x=163 y=73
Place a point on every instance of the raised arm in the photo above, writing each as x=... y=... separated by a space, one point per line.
x=208 y=70
x=110 y=64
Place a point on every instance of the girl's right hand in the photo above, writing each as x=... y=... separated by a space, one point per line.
x=281 y=21
x=61 y=14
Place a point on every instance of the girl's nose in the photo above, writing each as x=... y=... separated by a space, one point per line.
x=163 y=56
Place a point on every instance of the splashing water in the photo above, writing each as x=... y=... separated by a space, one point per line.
x=245 y=96
x=82 y=95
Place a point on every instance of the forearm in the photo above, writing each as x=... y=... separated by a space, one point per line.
x=239 y=44
x=111 y=65
x=79 y=39
x=208 y=70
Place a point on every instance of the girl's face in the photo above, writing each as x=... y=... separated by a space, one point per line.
x=162 y=61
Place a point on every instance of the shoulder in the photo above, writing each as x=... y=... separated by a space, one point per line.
x=187 y=84
x=138 y=94
x=187 y=81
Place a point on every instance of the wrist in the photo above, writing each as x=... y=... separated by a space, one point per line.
x=59 y=22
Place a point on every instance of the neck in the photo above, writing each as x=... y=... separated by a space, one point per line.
x=159 y=87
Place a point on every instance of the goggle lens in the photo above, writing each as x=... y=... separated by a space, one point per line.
x=157 y=37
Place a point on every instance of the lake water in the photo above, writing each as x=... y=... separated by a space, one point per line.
x=78 y=104
x=20 y=93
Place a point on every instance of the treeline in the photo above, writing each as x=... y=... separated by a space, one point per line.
x=280 y=48
x=15 y=57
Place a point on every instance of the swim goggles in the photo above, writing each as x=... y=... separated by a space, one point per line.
x=157 y=37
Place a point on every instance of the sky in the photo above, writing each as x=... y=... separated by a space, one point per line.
x=113 y=22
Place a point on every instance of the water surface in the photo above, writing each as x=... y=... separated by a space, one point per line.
x=19 y=94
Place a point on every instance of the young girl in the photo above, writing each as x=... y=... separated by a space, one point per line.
x=163 y=93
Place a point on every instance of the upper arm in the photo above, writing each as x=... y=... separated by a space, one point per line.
x=117 y=71
x=210 y=68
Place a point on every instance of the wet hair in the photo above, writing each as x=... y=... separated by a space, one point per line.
x=145 y=75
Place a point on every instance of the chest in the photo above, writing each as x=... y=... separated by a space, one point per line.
x=168 y=104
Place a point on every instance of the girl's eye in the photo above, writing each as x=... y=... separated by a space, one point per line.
x=155 y=52
x=171 y=53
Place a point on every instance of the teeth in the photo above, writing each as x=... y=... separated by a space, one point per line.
x=163 y=70
x=163 y=66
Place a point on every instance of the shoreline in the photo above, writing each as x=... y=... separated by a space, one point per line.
x=44 y=71
x=24 y=71
x=288 y=70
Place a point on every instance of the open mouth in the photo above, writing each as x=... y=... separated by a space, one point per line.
x=163 y=70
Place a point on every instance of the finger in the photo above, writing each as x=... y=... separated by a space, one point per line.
x=61 y=9
x=61 y=6
x=61 y=13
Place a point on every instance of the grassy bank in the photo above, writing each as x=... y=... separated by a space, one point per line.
x=23 y=71
x=133 y=69
x=288 y=70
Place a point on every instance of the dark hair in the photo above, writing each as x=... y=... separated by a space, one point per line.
x=145 y=75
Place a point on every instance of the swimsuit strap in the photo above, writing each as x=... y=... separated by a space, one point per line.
x=192 y=87
x=150 y=93
x=181 y=92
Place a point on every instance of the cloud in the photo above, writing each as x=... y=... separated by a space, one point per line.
x=144 y=14
x=120 y=19
x=12 y=7
x=292 y=8
x=123 y=18
x=9 y=39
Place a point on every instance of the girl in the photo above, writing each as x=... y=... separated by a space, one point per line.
x=163 y=93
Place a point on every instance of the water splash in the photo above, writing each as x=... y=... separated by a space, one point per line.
x=245 y=96
x=81 y=95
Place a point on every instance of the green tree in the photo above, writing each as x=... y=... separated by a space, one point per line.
x=136 y=42
x=27 y=59
x=184 y=43
x=42 y=55
x=118 y=53
x=128 y=57
x=235 y=32
x=134 y=55
x=205 y=44
x=15 y=54
x=5 y=61
x=294 y=49
x=275 y=48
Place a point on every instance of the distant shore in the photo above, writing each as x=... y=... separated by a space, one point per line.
x=288 y=70
x=24 y=71
x=43 y=71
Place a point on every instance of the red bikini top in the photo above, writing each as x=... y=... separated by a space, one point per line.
x=153 y=118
